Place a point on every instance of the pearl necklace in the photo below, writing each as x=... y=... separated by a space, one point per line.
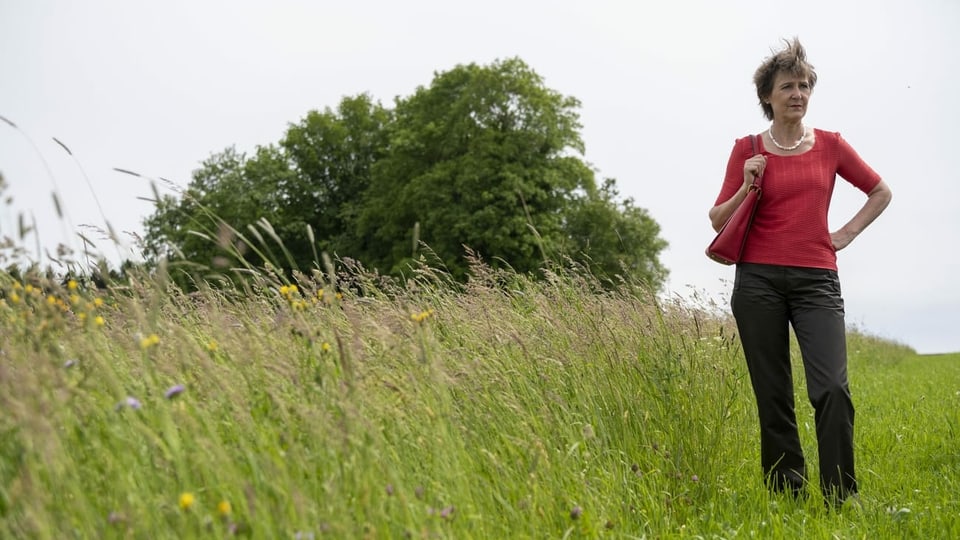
x=787 y=148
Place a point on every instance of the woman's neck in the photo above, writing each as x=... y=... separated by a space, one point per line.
x=787 y=132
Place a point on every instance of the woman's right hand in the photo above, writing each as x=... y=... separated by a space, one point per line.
x=752 y=168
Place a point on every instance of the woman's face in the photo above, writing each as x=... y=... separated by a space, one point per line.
x=790 y=96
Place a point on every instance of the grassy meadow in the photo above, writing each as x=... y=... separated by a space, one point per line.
x=344 y=405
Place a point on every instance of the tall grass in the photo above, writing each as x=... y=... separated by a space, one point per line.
x=344 y=405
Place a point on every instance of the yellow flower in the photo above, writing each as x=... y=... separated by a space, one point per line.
x=82 y=316
x=51 y=300
x=98 y=302
x=98 y=320
x=284 y=290
x=325 y=347
x=422 y=316
x=15 y=298
x=72 y=285
x=74 y=299
x=28 y=289
x=223 y=508
x=186 y=500
x=149 y=341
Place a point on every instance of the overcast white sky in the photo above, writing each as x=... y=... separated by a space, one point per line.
x=666 y=88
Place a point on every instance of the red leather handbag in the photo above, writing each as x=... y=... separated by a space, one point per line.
x=727 y=247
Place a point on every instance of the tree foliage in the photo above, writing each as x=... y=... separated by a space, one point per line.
x=485 y=157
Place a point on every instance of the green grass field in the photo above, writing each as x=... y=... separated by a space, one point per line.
x=508 y=409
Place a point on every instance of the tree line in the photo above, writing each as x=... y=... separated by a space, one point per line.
x=486 y=159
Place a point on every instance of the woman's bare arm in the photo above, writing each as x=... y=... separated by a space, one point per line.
x=877 y=201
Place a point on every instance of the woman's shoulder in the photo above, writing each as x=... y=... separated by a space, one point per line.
x=747 y=143
x=826 y=135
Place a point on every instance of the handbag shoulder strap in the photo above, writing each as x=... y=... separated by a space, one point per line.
x=755 y=146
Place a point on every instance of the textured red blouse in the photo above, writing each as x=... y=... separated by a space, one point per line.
x=790 y=227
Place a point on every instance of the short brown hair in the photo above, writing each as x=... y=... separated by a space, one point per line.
x=791 y=59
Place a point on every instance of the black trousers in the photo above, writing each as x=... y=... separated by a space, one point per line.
x=767 y=300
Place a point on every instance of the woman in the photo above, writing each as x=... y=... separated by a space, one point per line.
x=788 y=274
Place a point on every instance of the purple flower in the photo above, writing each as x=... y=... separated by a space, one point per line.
x=695 y=478
x=174 y=391
x=131 y=402
x=447 y=512
x=576 y=512
x=70 y=363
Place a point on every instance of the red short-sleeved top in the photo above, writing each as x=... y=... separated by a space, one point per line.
x=790 y=227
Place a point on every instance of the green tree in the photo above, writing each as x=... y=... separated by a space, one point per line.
x=483 y=158
x=313 y=178
x=332 y=153
x=488 y=157
x=614 y=237
x=228 y=192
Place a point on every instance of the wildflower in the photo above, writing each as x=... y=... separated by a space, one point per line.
x=149 y=341
x=422 y=316
x=447 y=513
x=223 y=508
x=213 y=346
x=389 y=489
x=695 y=478
x=186 y=500
x=70 y=363
x=28 y=289
x=51 y=301
x=174 y=391
x=325 y=347
x=82 y=316
x=133 y=403
x=15 y=298
x=97 y=302
x=576 y=512
x=72 y=285
x=74 y=299
x=98 y=320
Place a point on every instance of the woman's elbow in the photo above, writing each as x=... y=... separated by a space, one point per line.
x=714 y=221
x=882 y=192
